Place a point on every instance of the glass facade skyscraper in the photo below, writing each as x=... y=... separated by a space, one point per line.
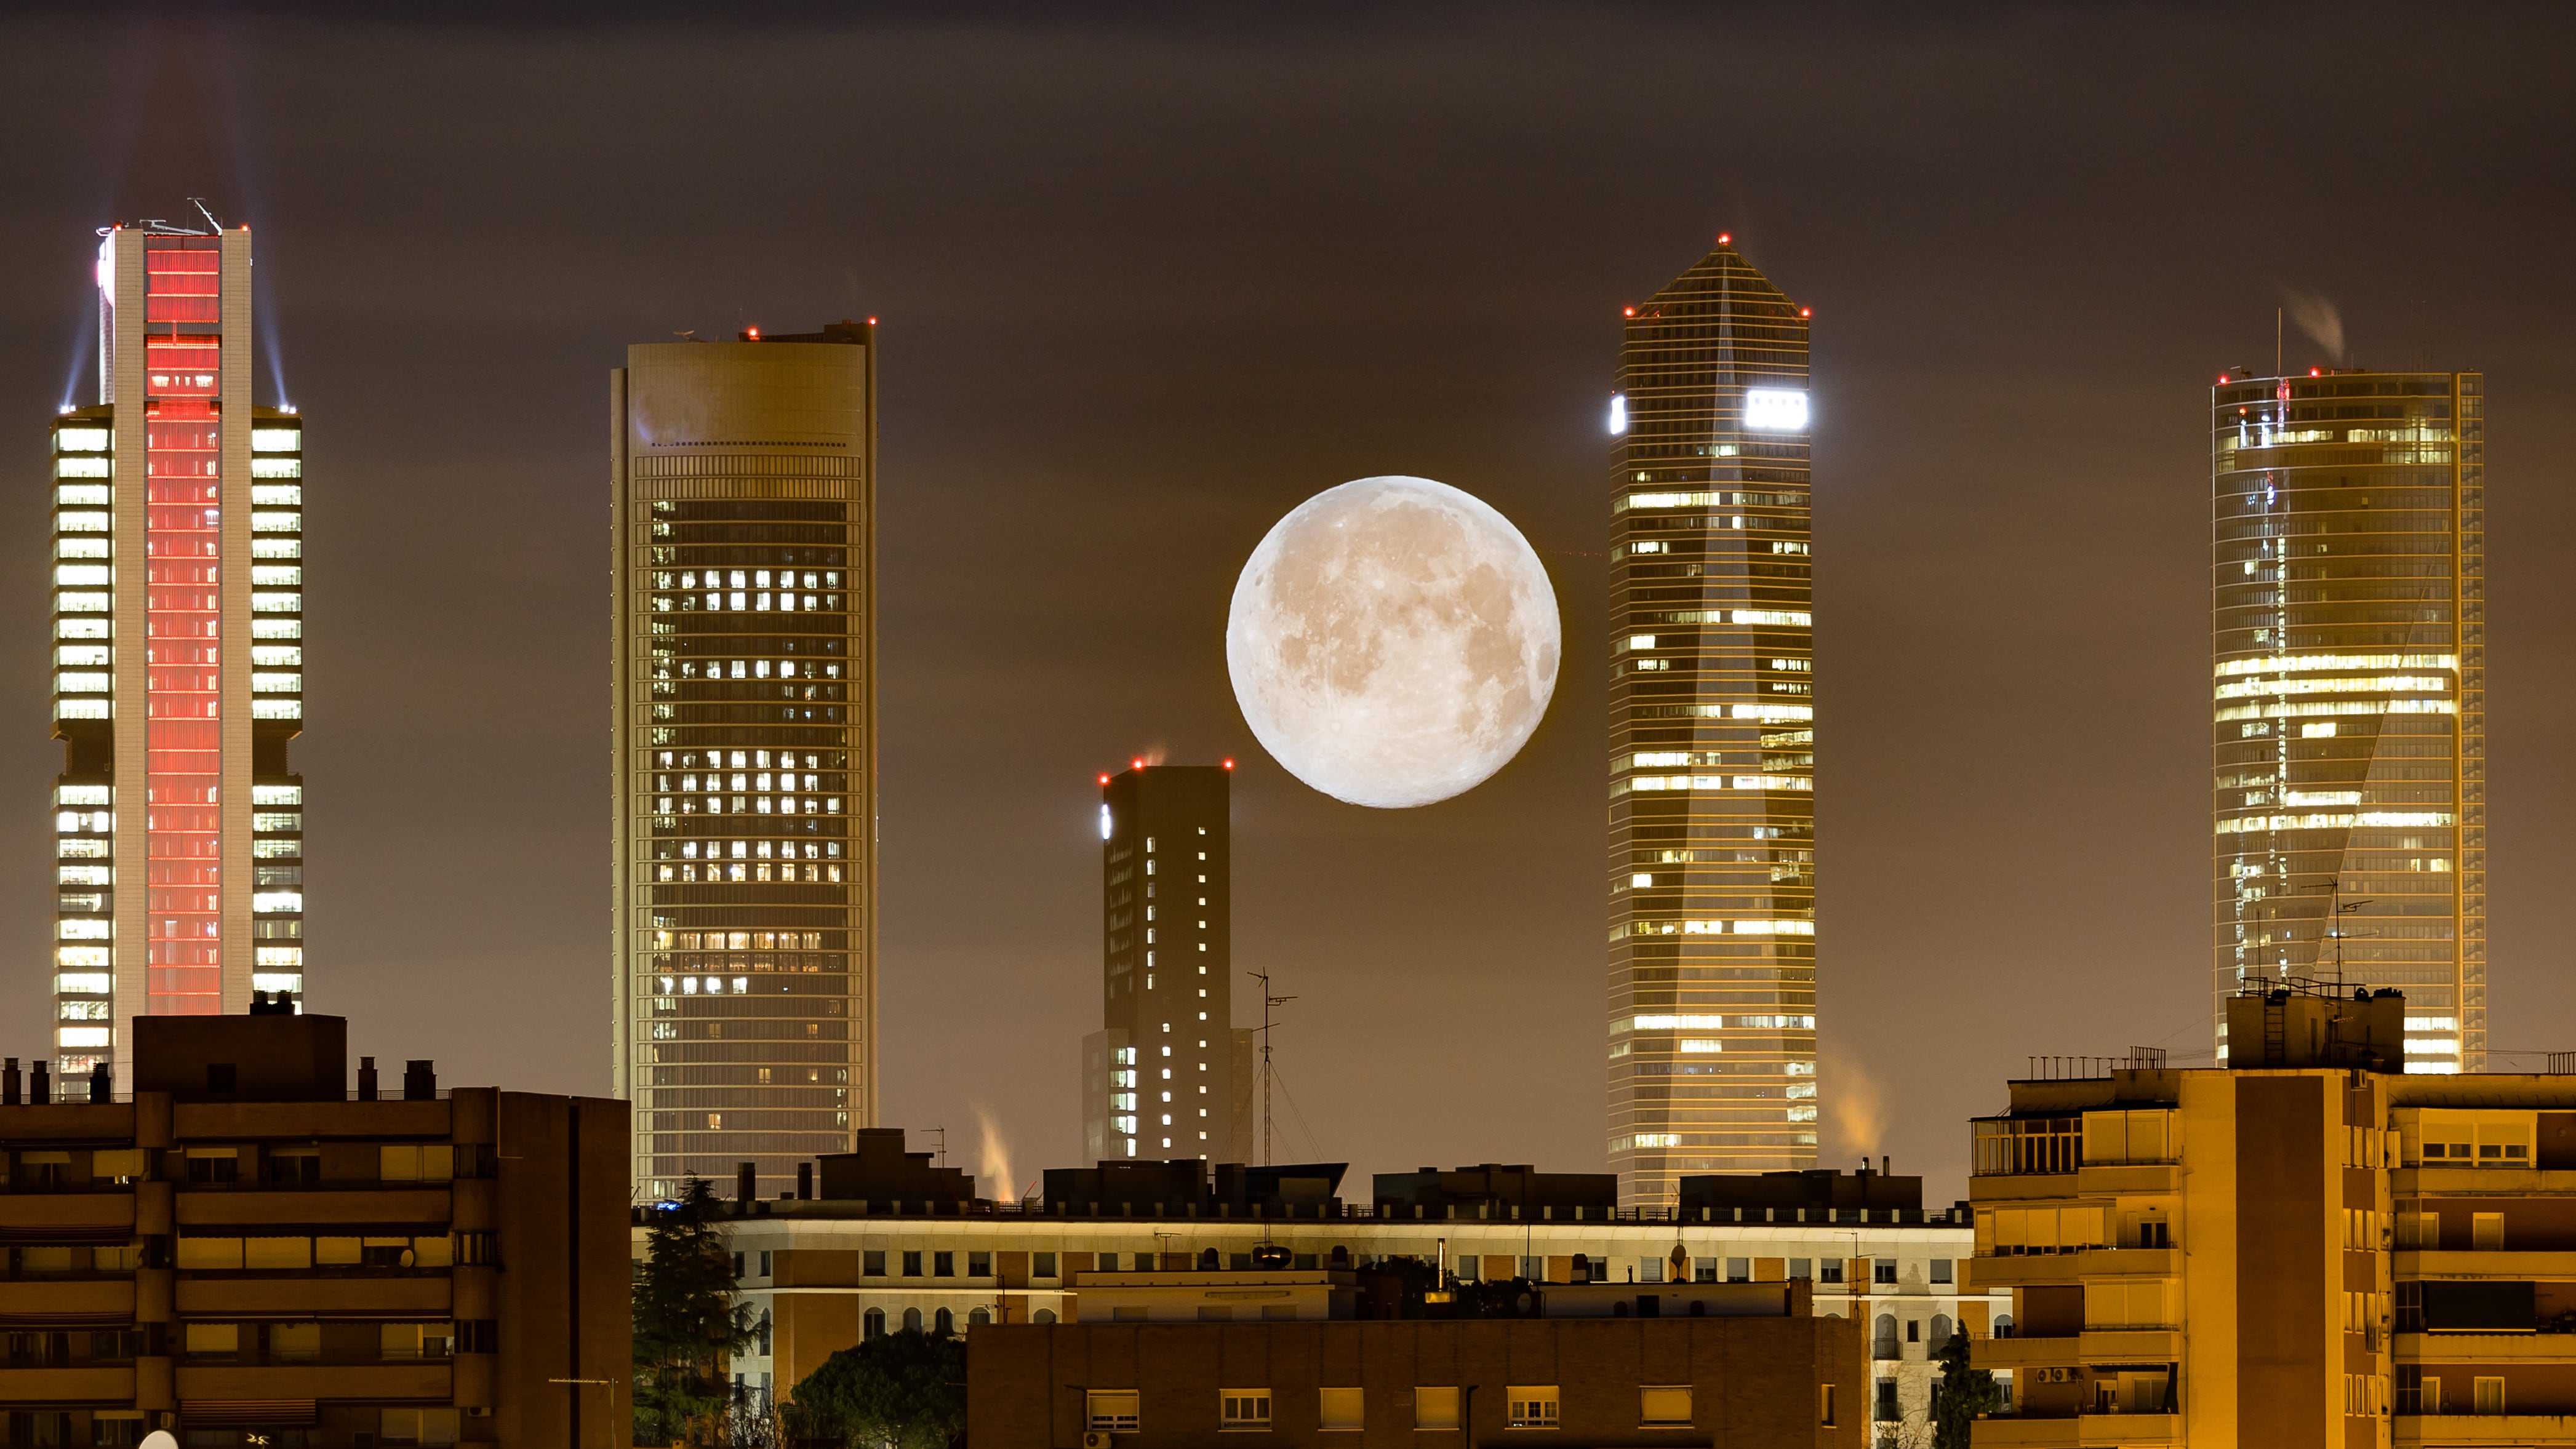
x=2348 y=749
x=1712 y=737
x=744 y=481
x=178 y=594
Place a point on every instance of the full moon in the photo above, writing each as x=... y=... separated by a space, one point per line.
x=1393 y=642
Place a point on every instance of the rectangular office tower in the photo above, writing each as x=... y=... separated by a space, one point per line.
x=1167 y=1075
x=2348 y=746
x=1712 y=737
x=178 y=657
x=744 y=476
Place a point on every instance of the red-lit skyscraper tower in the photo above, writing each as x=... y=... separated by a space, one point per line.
x=178 y=643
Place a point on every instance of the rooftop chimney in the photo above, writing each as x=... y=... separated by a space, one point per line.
x=804 y=1181
x=102 y=1083
x=40 y=1087
x=746 y=1182
x=420 y=1081
x=9 y=1086
x=366 y=1079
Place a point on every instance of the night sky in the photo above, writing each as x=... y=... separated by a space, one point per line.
x=1150 y=281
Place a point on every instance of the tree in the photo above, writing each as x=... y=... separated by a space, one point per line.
x=686 y=1323
x=904 y=1389
x=1961 y=1395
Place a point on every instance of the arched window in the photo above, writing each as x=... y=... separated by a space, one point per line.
x=2003 y=1325
x=1941 y=1329
x=1883 y=1342
x=1341 y=1256
x=875 y=1324
x=1619 y=1309
x=1582 y=1268
x=912 y=1320
x=1043 y=1315
x=1208 y=1261
x=1699 y=1308
x=945 y=1323
x=980 y=1315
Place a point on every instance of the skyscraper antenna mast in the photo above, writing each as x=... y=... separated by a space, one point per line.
x=1267 y=1002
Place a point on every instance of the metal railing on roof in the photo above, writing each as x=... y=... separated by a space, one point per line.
x=2076 y=1069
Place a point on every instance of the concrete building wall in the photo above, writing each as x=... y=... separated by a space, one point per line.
x=1751 y=1382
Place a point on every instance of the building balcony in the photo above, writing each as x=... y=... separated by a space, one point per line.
x=249 y=1207
x=313 y=1297
x=59 y=1120
x=68 y=1300
x=2483 y=1431
x=2016 y=1431
x=2094 y=1345
x=2487 y=1348
x=90 y=1214
x=2024 y=1270
x=21 y=1386
x=2135 y=1177
x=2024 y=1353
x=2132 y=1345
x=2473 y=1263
x=413 y=1382
x=1987 y=1190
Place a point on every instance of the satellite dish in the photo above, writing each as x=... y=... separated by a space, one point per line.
x=159 y=1439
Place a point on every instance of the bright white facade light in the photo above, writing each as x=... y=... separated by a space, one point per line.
x=1618 y=413
x=1775 y=410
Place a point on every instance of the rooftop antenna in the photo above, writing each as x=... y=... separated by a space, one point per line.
x=2334 y=922
x=1267 y=1002
x=2276 y=340
x=942 y=1134
x=213 y=227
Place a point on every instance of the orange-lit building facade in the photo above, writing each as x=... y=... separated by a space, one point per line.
x=178 y=606
x=1712 y=1032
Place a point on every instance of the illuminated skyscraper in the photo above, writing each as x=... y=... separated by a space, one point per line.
x=744 y=478
x=1167 y=1075
x=1712 y=737
x=178 y=656
x=2348 y=754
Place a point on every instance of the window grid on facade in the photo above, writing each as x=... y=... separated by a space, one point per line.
x=2348 y=746
x=746 y=792
x=178 y=505
x=1712 y=752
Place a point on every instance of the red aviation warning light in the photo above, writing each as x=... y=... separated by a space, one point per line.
x=1724 y=240
x=1229 y=764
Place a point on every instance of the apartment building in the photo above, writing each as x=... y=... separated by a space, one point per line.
x=244 y=1252
x=887 y=1249
x=2308 y=1247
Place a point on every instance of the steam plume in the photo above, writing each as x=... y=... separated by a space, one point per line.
x=2317 y=317
x=993 y=1170
x=1856 y=1106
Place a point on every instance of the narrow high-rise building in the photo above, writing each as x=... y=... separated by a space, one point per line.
x=2348 y=752
x=744 y=501
x=1712 y=737
x=1167 y=1075
x=178 y=657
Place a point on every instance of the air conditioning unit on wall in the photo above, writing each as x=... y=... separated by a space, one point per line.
x=1095 y=1440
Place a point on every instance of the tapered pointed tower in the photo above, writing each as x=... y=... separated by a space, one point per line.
x=1712 y=737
